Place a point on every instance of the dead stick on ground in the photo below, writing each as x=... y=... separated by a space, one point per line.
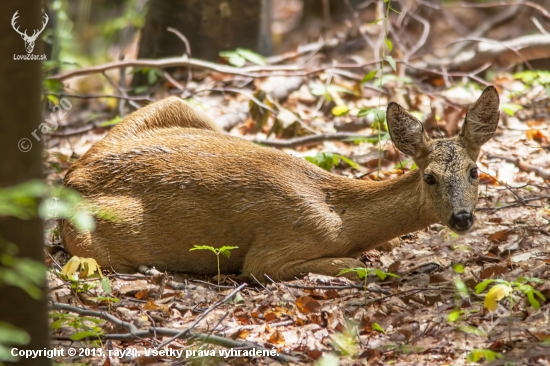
x=166 y=332
x=298 y=141
x=185 y=331
x=522 y=165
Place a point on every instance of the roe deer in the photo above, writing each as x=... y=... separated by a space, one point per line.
x=174 y=181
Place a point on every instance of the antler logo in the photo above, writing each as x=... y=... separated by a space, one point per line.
x=29 y=40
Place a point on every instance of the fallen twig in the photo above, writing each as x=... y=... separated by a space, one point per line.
x=311 y=139
x=214 y=306
x=522 y=165
x=151 y=332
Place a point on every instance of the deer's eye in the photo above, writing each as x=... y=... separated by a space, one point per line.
x=429 y=179
x=473 y=173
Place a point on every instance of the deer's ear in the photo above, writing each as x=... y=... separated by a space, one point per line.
x=406 y=131
x=481 y=120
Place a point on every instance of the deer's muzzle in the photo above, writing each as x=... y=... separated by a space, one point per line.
x=461 y=221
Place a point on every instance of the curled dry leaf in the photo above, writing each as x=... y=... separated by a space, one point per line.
x=276 y=338
x=307 y=304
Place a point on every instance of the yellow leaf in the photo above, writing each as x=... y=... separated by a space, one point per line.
x=71 y=267
x=340 y=110
x=89 y=267
x=496 y=293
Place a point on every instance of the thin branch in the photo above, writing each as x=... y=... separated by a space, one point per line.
x=522 y=165
x=214 y=306
x=311 y=139
x=165 y=332
x=97 y=96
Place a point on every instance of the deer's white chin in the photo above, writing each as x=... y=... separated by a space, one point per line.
x=462 y=231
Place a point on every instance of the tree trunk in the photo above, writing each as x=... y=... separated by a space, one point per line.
x=210 y=26
x=20 y=103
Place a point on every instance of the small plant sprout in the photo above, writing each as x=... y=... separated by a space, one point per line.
x=225 y=250
x=504 y=288
x=363 y=273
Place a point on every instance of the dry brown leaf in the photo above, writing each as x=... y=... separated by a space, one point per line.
x=143 y=294
x=493 y=271
x=487 y=179
x=151 y=305
x=499 y=235
x=331 y=294
x=536 y=135
x=307 y=304
x=243 y=334
x=276 y=338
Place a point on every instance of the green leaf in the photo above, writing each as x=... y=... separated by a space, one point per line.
x=389 y=45
x=10 y=334
x=85 y=334
x=482 y=286
x=377 y=327
x=459 y=268
x=380 y=274
x=376 y=21
x=348 y=161
x=328 y=359
x=106 y=285
x=392 y=63
x=510 y=108
x=226 y=250
x=111 y=122
x=252 y=56
x=476 y=355
x=461 y=287
x=364 y=112
x=204 y=247
x=454 y=316
x=237 y=60
x=369 y=76
x=236 y=299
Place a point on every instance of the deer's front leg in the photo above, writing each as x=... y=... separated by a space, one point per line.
x=293 y=269
x=389 y=245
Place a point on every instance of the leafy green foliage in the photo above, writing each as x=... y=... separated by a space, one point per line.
x=32 y=198
x=11 y=336
x=330 y=92
x=364 y=272
x=369 y=76
x=476 y=355
x=239 y=57
x=24 y=273
x=391 y=61
x=327 y=160
x=86 y=327
x=504 y=288
x=510 y=108
x=225 y=250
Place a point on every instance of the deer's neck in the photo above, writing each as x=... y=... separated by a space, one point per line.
x=375 y=212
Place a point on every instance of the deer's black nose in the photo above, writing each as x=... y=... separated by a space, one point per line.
x=462 y=220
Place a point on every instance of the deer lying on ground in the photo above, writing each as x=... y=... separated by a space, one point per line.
x=173 y=180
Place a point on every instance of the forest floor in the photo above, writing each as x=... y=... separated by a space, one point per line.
x=433 y=312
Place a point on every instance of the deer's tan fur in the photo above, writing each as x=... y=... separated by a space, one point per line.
x=174 y=181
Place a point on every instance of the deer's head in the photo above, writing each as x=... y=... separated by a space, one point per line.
x=29 y=40
x=448 y=166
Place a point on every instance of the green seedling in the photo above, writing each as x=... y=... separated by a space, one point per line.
x=225 y=250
